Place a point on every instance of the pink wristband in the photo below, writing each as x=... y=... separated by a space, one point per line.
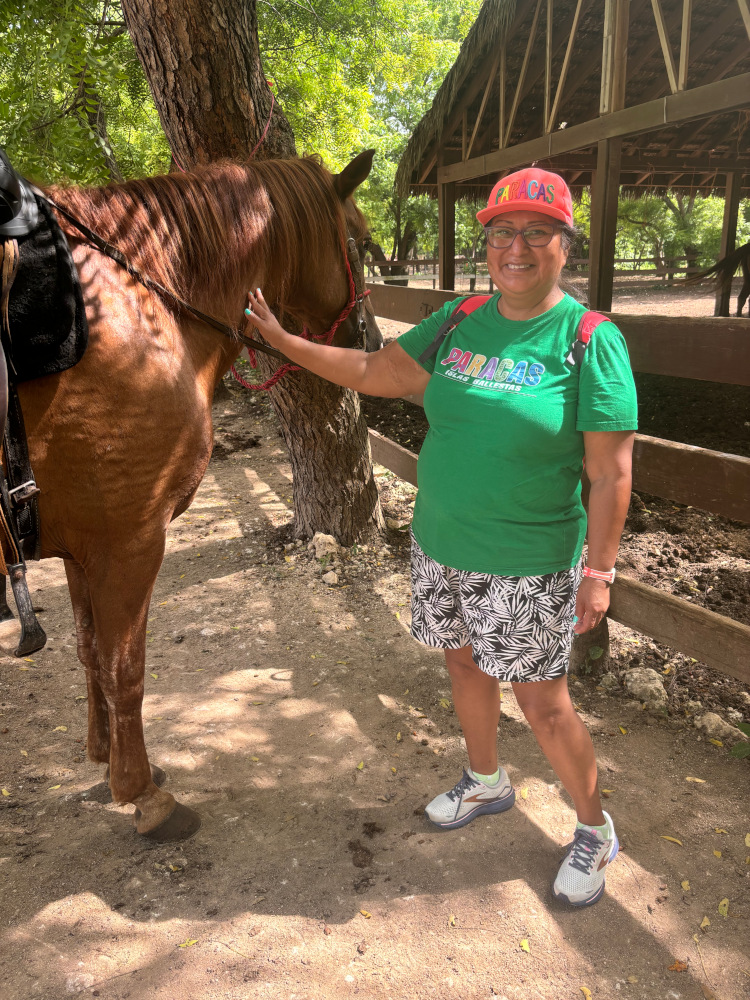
x=598 y=574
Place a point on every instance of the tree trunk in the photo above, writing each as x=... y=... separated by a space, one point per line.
x=203 y=64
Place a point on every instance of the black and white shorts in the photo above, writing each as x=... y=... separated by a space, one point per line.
x=520 y=628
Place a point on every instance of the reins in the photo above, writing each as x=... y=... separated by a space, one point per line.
x=357 y=294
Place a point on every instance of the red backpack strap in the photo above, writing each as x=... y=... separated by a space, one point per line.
x=586 y=326
x=460 y=312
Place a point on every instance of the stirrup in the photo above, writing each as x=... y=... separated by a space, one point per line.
x=33 y=637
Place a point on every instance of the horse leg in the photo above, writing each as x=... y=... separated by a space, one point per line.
x=743 y=295
x=97 y=743
x=120 y=592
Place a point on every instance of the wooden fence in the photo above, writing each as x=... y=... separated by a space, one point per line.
x=713 y=349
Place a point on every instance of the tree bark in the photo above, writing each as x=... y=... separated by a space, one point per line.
x=203 y=64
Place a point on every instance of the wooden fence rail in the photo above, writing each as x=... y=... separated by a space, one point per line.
x=712 y=349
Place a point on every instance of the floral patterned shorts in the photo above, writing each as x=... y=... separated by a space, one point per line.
x=520 y=628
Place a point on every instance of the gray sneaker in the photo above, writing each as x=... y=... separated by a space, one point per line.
x=468 y=799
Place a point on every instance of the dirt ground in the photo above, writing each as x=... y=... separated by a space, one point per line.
x=309 y=730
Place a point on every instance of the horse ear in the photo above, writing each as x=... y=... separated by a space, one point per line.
x=354 y=174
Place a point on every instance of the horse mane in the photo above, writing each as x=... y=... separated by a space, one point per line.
x=217 y=226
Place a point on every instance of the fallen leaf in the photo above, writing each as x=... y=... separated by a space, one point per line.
x=606 y=792
x=189 y=943
x=720 y=829
x=699 y=781
x=256 y=759
x=175 y=868
x=685 y=886
x=399 y=737
x=717 y=854
x=678 y=966
x=365 y=914
x=524 y=793
x=623 y=730
x=716 y=743
x=24 y=753
x=451 y=921
x=155 y=676
x=80 y=697
x=393 y=769
x=60 y=729
x=747 y=840
x=314 y=684
x=586 y=992
x=398 y=615
x=6 y=793
x=445 y=703
x=705 y=923
x=672 y=840
x=361 y=765
x=723 y=908
x=595 y=652
x=632 y=979
x=525 y=945
x=52 y=788
x=342 y=663
x=256 y=703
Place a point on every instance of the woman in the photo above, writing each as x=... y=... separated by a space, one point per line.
x=498 y=579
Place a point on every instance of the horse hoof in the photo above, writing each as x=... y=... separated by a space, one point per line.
x=181 y=824
x=102 y=793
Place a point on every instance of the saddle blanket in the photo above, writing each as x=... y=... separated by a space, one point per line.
x=47 y=319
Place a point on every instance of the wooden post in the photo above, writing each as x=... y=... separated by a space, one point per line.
x=605 y=190
x=447 y=234
x=728 y=234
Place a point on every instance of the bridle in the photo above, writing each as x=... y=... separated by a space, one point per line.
x=354 y=271
x=357 y=295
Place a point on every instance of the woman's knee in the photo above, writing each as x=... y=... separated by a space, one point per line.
x=461 y=666
x=546 y=705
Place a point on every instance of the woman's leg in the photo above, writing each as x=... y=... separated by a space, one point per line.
x=476 y=696
x=565 y=742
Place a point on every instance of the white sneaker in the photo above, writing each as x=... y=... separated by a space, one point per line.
x=580 y=880
x=468 y=799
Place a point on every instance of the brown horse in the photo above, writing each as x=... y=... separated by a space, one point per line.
x=723 y=272
x=120 y=442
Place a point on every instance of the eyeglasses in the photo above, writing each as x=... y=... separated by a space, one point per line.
x=503 y=237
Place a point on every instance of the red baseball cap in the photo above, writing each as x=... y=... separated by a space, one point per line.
x=532 y=190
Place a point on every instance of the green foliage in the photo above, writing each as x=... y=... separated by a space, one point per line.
x=73 y=95
x=741 y=750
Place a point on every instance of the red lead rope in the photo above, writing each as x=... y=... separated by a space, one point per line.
x=326 y=337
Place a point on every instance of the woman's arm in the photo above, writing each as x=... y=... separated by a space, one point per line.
x=608 y=465
x=390 y=372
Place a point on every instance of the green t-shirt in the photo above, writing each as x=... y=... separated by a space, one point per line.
x=500 y=469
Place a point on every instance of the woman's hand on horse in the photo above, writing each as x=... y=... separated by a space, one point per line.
x=390 y=372
x=262 y=318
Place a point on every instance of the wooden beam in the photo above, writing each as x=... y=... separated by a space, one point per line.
x=604 y=196
x=653 y=163
x=713 y=639
x=524 y=67
x=728 y=235
x=703 y=348
x=464 y=132
x=614 y=56
x=687 y=19
x=714 y=98
x=502 y=73
x=565 y=66
x=447 y=234
x=548 y=64
x=666 y=48
x=745 y=12
x=710 y=638
x=711 y=480
x=483 y=105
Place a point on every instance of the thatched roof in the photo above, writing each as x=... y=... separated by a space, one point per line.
x=486 y=34
x=692 y=154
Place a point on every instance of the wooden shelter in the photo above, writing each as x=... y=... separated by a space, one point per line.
x=609 y=93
